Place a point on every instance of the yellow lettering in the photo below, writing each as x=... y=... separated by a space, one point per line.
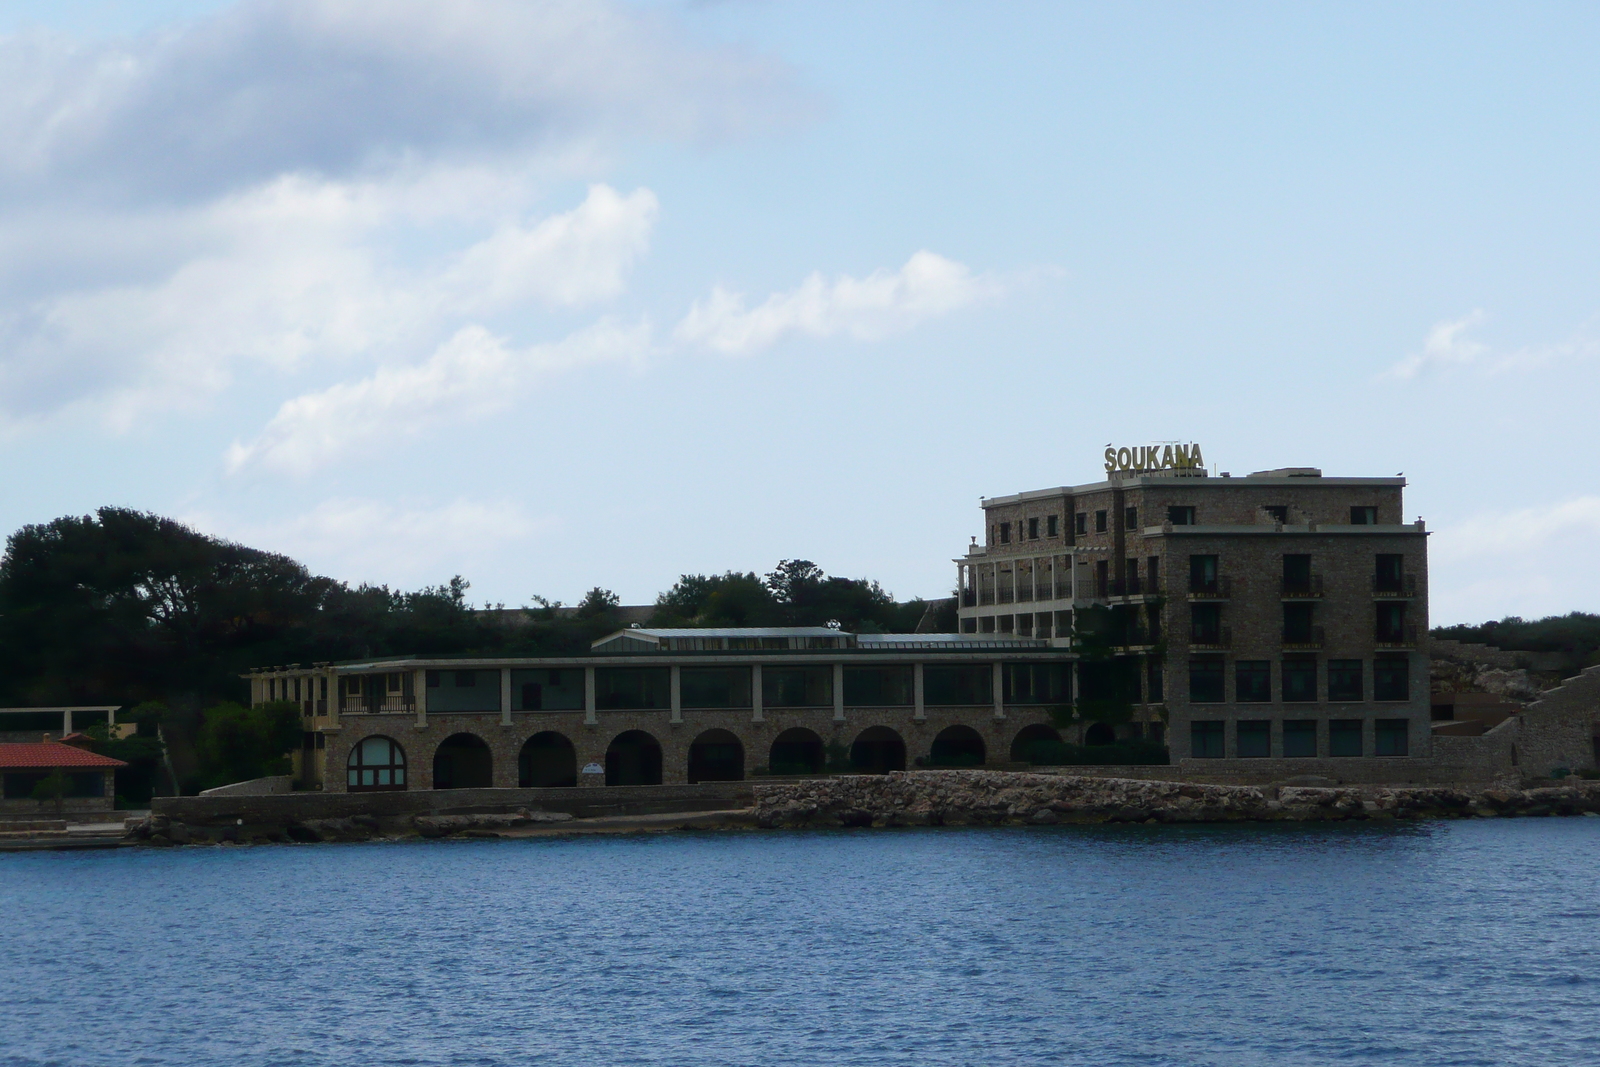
x=1166 y=456
x=1194 y=456
x=1124 y=459
x=1111 y=459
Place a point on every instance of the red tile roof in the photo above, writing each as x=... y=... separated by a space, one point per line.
x=48 y=755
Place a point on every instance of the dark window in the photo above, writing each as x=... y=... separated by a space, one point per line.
x=1052 y=525
x=1252 y=681
x=1202 y=574
x=1130 y=518
x=1033 y=529
x=466 y=679
x=1181 y=516
x=376 y=763
x=1154 y=613
x=1296 y=574
x=1297 y=623
x=1205 y=624
x=1037 y=683
x=628 y=688
x=1391 y=623
x=1344 y=737
x=1152 y=575
x=1005 y=533
x=1279 y=512
x=1102 y=578
x=1344 y=679
x=1205 y=680
x=1299 y=737
x=1299 y=679
x=797 y=687
x=1390 y=572
x=1206 y=740
x=954 y=686
x=433 y=679
x=1154 y=683
x=1253 y=738
x=548 y=689
x=1391 y=678
x=1363 y=516
x=1083 y=522
x=714 y=687
x=1099 y=522
x=875 y=687
x=1391 y=737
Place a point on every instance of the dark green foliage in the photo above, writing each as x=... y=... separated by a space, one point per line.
x=797 y=593
x=236 y=743
x=1576 y=636
x=1122 y=754
x=53 y=787
x=145 y=774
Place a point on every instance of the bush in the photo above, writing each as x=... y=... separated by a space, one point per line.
x=237 y=743
x=1122 y=753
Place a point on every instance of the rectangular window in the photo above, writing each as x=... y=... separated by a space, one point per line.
x=1099 y=522
x=1391 y=678
x=1252 y=681
x=547 y=689
x=1102 y=578
x=1296 y=575
x=1344 y=737
x=1052 y=525
x=1391 y=737
x=1005 y=533
x=1083 y=522
x=466 y=679
x=1297 y=628
x=1253 y=738
x=1033 y=529
x=1299 y=679
x=1344 y=679
x=1154 y=682
x=1363 y=516
x=797 y=687
x=1389 y=572
x=1037 y=683
x=1205 y=680
x=1206 y=740
x=1181 y=516
x=1277 y=512
x=956 y=686
x=1205 y=624
x=879 y=687
x=1130 y=518
x=632 y=688
x=1299 y=738
x=714 y=687
x=1202 y=574
x=1152 y=575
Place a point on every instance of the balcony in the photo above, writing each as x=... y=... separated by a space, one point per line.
x=969 y=598
x=986 y=596
x=1006 y=595
x=1391 y=587
x=1404 y=637
x=1309 y=589
x=1303 y=640
x=1024 y=591
x=1133 y=585
x=1217 y=640
x=1219 y=588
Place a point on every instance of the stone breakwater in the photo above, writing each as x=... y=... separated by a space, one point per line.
x=990 y=798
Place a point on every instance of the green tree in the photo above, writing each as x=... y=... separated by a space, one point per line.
x=237 y=744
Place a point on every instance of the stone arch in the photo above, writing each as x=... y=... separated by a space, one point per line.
x=957 y=746
x=376 y=764
x=716 y=756
x=633 y=758
x=463 y=761
x=1100 y=733
x=797 y=751
x=1029 y=738
x=547 y=760
x=878 y=750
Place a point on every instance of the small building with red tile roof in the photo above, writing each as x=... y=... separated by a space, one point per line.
x=90 y=777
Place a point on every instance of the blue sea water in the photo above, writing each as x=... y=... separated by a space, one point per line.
x=1443 y=943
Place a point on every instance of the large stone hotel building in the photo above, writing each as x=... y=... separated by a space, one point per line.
x=1261 y=625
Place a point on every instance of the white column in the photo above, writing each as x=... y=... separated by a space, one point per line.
x=335 y=695
x=66 y=722
x=999 y=692
x=505 y=696
x=838 y=692
x=756 y=703
x=589 y=717
x=919 y=703
x=419 y=686
x=674 y=688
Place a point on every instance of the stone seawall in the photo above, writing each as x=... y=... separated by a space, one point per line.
x=959 y=798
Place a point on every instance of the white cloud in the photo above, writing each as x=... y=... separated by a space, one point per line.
x=471 y=375
x=1449 y=347
x=883 y=303
x=1533 y=561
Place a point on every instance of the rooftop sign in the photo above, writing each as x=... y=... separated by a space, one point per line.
x=1153 y=458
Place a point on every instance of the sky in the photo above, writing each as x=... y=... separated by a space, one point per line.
x=562 y=294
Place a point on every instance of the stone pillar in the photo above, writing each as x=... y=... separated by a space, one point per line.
x=675 y=692
x=999 y=691
x=334 y=697
x=838 y=692
x=505 y=696
x=419 y=686
x=66 y=721
x=756 y=703
x=919 y=701
x=589 y=717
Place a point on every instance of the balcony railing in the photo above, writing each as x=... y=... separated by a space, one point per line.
x=986 y=596
x=1388 y=586
x=372 y=704
x=1220 y=638
x=1309 y=589
x=1006 y=594
x=1024 y=591
x=969 y=599
x=1405 y=637
x=1303 y=639
x=1219 y=588
x=1134 y=585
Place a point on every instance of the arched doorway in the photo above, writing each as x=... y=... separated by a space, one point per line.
x=376 y=763
x=1100 y=733
x=463 y=761
x=634 y=758
x=547 y=759
x=878 y=750
x=1033 y=744
x=957 y=746
x=796 y=751
x=716 y=756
